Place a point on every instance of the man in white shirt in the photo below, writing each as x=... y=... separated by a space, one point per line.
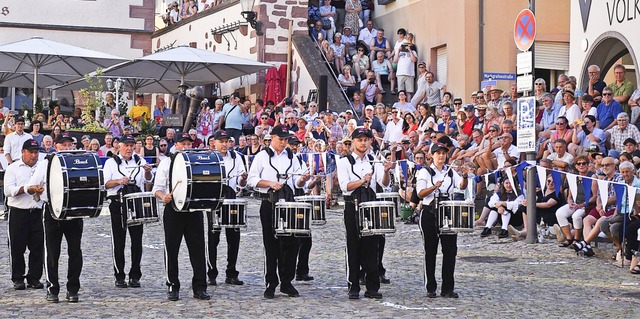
x=25 y=220
x=504 y=152
x=406 y=59
x=393 y=132
x=367 y=34
x=13 y=142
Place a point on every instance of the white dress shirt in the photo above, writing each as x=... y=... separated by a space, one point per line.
x=262 y=170
x=15 y=178
x=161 y=182
x=500 y=158
x=361 y=167
x=424 y=181
x=393 y=133
x=233 y=167
x=129 y=168
x=13 y=144
x=39 y=177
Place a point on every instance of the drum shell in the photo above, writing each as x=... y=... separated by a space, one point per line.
x=202 y=175
x=75 y=187
x=141 y=208
x=376 y=218
x=461 y=215
x=232 y=214
x=318 y=208
x=391 y=197
x=292 y=218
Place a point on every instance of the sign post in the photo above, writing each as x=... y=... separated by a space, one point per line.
x=524 y=34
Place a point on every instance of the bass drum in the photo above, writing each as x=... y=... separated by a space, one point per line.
x=75 y=185
x=196 y=178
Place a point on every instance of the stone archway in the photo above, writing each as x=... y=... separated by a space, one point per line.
x=604 y=52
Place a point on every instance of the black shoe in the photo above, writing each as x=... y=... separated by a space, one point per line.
x=34 y=284
x=503 y=233
x=304 y=278
x=234 y=281
x=289 y=290
x=19 y=285
x=173 y=295
x=120 y=283
x=212 y=282
x=202 y=295
x=431 y=294
x=134 y=283
x=384 y=280
x=372 y=295
x=72 y=296
x=450 y=294
x=353 y=294
x=485 y=232
x=269 y=293
x=53 y=298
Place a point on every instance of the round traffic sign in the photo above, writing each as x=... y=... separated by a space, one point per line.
x=524 y=30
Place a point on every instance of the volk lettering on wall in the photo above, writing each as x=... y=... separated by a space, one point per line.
x=585 y=8
x=623 y=10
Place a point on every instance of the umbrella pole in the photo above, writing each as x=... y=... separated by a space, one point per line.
x=35 y=86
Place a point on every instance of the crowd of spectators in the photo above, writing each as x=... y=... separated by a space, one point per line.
x=185 y=9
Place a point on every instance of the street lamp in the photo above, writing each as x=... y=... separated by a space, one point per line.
x=119 y=84
x=250 y=15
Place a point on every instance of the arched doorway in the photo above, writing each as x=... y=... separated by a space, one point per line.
x=605 y=52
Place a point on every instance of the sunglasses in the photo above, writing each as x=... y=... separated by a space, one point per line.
x=538 y=83
x=607 y=94
x=163 y=145
x=264 y=118
x=492 y=130
x=560 y=123
x=457 y=103
x=607 y=165
x=581 y=163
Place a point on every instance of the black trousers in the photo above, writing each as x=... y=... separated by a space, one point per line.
x=233 y=246
x=118 y=242
x=303 y=255
x=53 y=231
x=631 y=234
x=25 y=230
x=382 y=241
x=431 y=237
x=280 y=253
x=188 y=225
x=360 y=251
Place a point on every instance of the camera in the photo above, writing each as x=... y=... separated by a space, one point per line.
x=372 y=81
x=404 y=47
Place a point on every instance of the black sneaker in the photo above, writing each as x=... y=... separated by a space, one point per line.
x=120 y=283
x=354 y=294
x=234 y=281
x=212 y=282
x=173 y=295
x=449 y=294
x=270 y=292
x=304 y=278
x=52 y=298
x=19 y=285
x=134 y=283
x=202 y=295
x=34 y=284
x=72 y=297
x=485 y=232
x=289 y=290
x=372 y=295
x=503 y=233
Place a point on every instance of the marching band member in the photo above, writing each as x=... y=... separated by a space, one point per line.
x=25 y=219
x=124 y=174
x=234 y=167
x=178 y=225
x=437 y=180
x=357 y=177
x=269 y=175
x=54 y=229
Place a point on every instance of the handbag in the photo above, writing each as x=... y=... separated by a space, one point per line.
x=223 y=120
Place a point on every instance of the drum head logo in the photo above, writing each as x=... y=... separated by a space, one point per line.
x=203 y=158
x=79 y=161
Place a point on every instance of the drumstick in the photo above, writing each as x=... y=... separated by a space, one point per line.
x=175 y=186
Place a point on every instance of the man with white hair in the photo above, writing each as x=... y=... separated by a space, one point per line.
x=114 y=124
x=596 y=85
x=620 y=133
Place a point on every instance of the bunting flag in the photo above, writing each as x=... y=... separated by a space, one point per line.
x=542 y=177
x=631 y=197
x=586 y=183
x=496 y=176
x=603 y=191
x=572 y=180
x=316 y=162
x=403 y=167
x=520 y=175
x=557 y=180
x=305 y=157
x=510 y=177
x=619 y=191
x=486 y=180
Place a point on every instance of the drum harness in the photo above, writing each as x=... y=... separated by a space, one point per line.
x=439 y=196
x=363 y=193
x=131 y=187
x=285 y=192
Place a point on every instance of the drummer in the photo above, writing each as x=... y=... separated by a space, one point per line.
x=124 y=174
x=235 y=171
x=177 y=225
x=55 y=229
x=357 y=177
x=270 y=176
x=438 y=180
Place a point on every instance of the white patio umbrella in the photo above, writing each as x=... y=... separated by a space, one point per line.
x=137 y=85
x=187 y=64
x=25 y=80
x=40 y=56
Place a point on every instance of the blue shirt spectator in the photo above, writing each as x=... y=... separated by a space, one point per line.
x=607 y=113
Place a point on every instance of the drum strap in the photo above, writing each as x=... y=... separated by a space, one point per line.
x=432 y=172
x=119 y=161
x=278 y=175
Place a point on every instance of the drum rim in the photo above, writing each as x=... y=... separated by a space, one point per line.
x=294 y=205
x=377 y=203
x=139 y=195
x=392 y=194
x=235 y=201
x=309 y=197
x=456 y=203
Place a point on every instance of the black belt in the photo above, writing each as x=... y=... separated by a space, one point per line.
x=28 y=210
x=114 y=198
x=265 y=196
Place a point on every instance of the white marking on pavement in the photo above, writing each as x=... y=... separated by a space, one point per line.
x=390 y=304
x=547 y=262
x=159 y=246
x=334 y=287
x=630 y=284
x=104 y=235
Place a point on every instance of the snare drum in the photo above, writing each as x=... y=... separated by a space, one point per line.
x=454 y=216
x=318 y=208
x=232 y=214
x=75 y=186
x=391 y=197
x=142 y=208
x=376 y=218
x=196 y=178
x=292 y=219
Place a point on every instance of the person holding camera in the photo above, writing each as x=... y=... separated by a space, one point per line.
x=435 y=183
x=406 y=58
x=370 y=90
x=114 y=124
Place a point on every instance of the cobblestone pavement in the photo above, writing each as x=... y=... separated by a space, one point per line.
x=495 y=277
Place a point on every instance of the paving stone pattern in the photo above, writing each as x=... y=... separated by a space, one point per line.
x=495 y=278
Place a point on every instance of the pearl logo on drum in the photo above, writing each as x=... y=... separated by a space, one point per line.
x=79 y=161
x=203 y=158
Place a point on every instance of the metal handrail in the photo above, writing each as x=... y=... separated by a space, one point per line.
x=335 y=77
